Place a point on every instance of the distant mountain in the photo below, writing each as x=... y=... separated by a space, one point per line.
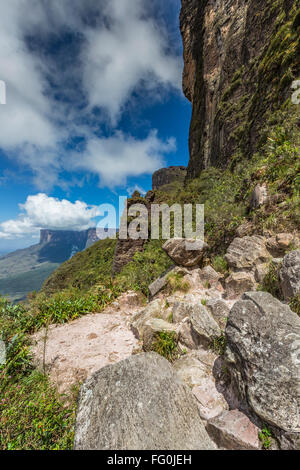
x=24 y=271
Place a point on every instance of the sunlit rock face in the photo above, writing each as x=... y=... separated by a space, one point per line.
x=229 y=74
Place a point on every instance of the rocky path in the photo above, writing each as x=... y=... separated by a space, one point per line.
x=74 y=351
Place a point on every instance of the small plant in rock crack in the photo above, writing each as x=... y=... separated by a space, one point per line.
x=218 y=345
x=265 y=436
x=176 y=282
x=166 y=345
x=295 y=305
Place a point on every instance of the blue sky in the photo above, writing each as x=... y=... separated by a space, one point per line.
x=94 y=106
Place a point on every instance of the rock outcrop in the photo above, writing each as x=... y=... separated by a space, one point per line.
x=185 y=252
x=290 y=275
x=263 y=337
x=138 y=404
x=229 y=71
x=166 y=176
x=244 y=254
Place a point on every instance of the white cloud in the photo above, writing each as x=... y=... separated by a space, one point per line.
x=129 y=52
x=41 y=211
x=123 y=53
x=116 y=158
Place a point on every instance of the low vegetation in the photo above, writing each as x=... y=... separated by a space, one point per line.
x=166 y=345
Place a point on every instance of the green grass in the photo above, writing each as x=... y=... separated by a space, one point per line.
x=265 y=436
x=145 y=268
x=271 y=282
x=219 y=264
x=165 y=344
x=32 y=415
x=295 y=304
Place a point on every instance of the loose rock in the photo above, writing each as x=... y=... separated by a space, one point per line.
x=234 y=431
x=181 y=251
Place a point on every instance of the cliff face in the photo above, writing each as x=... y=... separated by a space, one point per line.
x=241 y=57
x=168 y=175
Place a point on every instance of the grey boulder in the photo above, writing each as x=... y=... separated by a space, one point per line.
x=263 y=358
x=290 y=275
x=138 y=404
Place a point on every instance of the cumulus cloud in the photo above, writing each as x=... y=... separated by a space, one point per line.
x=117 y=157
x=122 y=50
x=40 y=211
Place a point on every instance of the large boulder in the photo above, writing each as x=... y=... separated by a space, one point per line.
x=290 y=275
x=244 y=254
x=203 y=325
x=138 y=404
x=185 y=252
x=262 y=355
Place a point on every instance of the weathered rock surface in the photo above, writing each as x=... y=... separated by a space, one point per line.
x=244 y=254
x=153 y=310
x=182 y=310
x=182 y=251
x=290 y=275
x=138 y=404
x=225 y=49
x=208 y=276
x=219 y=310
x=168 y=175
x=196 y=370
x=204 y=325
x=259 y=196
x=2 y=352
x=77 y=349
x=238 y=283
x=263 y=337
x=233 y=430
